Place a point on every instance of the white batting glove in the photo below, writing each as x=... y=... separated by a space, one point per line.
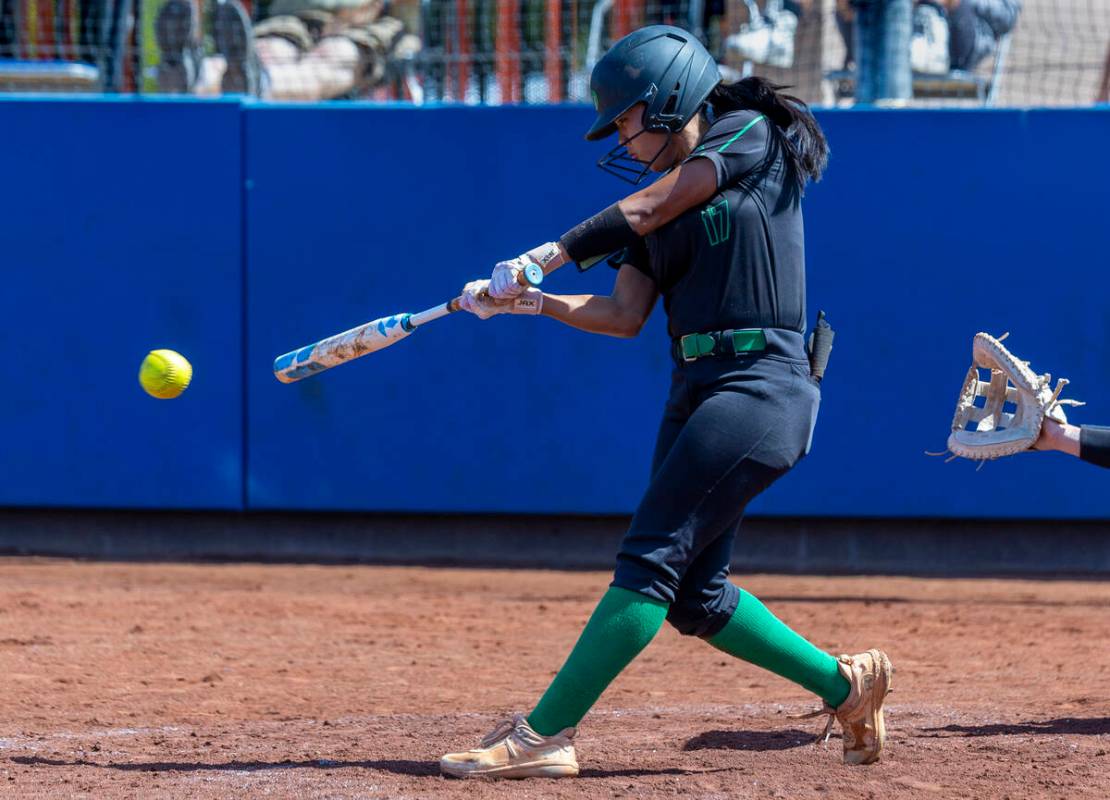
x=504 y=283
x=476 y=299
x=505 y=280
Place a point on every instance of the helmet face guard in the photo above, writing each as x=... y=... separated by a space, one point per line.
x=622 y=164
x=663 y=67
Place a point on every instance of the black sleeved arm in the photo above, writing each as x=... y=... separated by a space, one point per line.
x=635 y=255
x=735 y=144
x=1094 y=445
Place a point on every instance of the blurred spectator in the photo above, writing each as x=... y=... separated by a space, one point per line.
x=930 y=40
x=975 y=28
x=768 y=35
x=877 y=36
x=1104 y=85
x=947 y=34
x=304 y=49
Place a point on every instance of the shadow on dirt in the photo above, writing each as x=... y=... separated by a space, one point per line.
x=750 y=740
x=399 y=767
x=884 y=600
x=1093 y=726
x=645 y=773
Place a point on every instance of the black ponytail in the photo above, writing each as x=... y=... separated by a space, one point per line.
x=801 y=137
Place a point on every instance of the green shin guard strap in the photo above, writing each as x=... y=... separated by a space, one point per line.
x=621 y=626
x=756 y=635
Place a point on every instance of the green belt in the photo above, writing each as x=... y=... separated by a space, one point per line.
x=693 y=346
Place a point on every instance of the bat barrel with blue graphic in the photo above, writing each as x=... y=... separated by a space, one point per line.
x=342 y=347
x=377 y=335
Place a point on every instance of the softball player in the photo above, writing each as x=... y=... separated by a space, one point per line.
x=719 y=236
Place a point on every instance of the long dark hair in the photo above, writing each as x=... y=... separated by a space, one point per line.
x=800 y=137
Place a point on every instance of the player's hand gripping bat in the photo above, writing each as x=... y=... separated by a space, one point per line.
x=376 y=335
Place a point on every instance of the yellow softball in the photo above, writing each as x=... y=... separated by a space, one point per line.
x=165 y=374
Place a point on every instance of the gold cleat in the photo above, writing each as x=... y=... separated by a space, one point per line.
x=861 y=714
x=514 y=750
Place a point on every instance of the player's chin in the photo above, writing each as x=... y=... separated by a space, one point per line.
x=659 y=165
x=663 y=162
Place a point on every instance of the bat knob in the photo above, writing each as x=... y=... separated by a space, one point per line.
x=533 y=273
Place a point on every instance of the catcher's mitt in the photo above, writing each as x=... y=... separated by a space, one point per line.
x=1003 y=414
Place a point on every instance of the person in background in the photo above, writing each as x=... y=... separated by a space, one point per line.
x=768 y=36
x=1103 y=95
x=975 y=27
x=946 y=34
x=877 y=36
x=304 y=50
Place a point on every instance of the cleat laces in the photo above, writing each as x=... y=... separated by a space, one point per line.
x=822 y=737
x=515 y=725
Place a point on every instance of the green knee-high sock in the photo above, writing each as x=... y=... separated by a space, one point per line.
x=756 y=635
x=621 y=626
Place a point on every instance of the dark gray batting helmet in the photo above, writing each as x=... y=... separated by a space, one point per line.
x=660 y=65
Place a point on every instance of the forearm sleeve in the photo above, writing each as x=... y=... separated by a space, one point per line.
x=600 y=235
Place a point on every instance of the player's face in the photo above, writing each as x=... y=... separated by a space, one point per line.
x=644 y=145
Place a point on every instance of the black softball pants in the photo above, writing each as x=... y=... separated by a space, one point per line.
x=730 y=428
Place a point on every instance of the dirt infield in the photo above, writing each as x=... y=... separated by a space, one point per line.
x=204 y=681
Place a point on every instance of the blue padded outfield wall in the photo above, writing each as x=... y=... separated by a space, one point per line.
x=121 y=229
x=928 y=227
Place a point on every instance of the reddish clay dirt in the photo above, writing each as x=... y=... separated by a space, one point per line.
x=202 y=681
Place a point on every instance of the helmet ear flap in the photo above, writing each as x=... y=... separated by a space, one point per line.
x=665 y=118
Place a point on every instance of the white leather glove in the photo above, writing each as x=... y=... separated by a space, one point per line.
x=505 y=281
x=476 y=299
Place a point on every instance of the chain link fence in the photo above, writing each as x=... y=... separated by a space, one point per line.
x=929 y=52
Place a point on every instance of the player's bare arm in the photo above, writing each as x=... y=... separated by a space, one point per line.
x=686 y=187
x=622 y=313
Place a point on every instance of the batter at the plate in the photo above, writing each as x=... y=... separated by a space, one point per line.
x=720 y=238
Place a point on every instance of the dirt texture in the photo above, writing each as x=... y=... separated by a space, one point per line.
x=216 y=681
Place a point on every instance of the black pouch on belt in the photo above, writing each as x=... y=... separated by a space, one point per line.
x=820 y=345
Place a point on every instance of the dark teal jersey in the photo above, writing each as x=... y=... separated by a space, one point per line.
x=738 y=260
